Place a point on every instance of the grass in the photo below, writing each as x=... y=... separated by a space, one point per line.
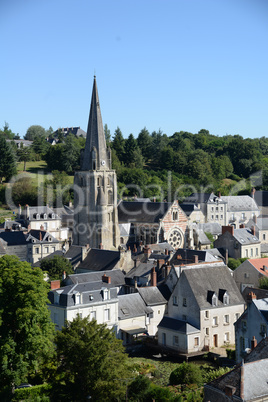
x=38 y=171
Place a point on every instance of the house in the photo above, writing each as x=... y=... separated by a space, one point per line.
x=250 y=272
x=115 y=278
x=186 y=256
x=42 y=218
x=153 y=222
x=225 y=210
x=97 y=300
x=260 y=225
x=193 y=213
x=246 y=382
x=252 y=323
x=261 y=199
x=21 y=143
x=240 y=243
x=77 y=131
x=155 y=300
x=204 y=304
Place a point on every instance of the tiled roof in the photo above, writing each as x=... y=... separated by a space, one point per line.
x=177 y=325
x=258 y=264
x=117 y=277
x=187 y=256
x=132 y=305
x=240 y=203
x=13 y=238
x=151 y=295
x=100 y=260
x=244 y=236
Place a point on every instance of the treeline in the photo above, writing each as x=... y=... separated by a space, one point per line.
x=157 y=165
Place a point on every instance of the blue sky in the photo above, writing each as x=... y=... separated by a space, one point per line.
x=161 y=64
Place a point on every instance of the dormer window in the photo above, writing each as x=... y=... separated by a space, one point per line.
x=53 y=216
x=78 y=298
x=105 y=294
x=45 y=216
x=214 y=300
x=37 y=216
x=226 y=298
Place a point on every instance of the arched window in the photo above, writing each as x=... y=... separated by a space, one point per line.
x=110 y=197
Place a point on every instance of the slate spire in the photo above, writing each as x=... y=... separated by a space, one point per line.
x=96 y=155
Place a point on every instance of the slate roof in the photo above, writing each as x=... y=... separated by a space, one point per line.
x=261 y=198
x=41 y=210
x=74 y=254
x=199 y=198
x=213 y=278
x=189 y=208
x=262 y=223
x=132 y=305
x=71 y=130
x=259 y=352
x=260 y=293
x=13 y=238
x=161 y=247
x=142 y=212
x=240 y=203
x=91 y=293
x=177 y=325
x=100 y=260
x=117 y=277
x=151 y=295
x=244 y=236
x=40 y=236
x=48 y=257
x=186 y=256
x=141 y=270
x=210 y=227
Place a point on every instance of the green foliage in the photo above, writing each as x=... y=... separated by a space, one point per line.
x=230 y=354
x=186 y=373
x=211 y=238
x=26 y=330
x=209 y=373
x=24 y=192
x=35 y=393
x=25 y=154
x=7 y=160
x=55 y=267
x=263 y=283
x=34 y=132
x=138 y=388
x=91 y=362
x=7 y=133
x=234 y=263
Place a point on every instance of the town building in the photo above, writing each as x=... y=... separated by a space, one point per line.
x=249 y=273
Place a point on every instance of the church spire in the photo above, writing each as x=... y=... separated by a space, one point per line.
x=96 y=155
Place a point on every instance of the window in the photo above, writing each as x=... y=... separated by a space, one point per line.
x=212 y=209
x=226 y=337
x=93 y=315
x=217 y=208
x=175 y=340
x=246 y=275
x=244 y=325
x=37 y=250
x=46 y=250
x=53 y=249
x=237 y=315
x=206 y=314
x=215 y=321
x=257 y=252
x=246 y=253
x=263 y=330
x=175 y=301
x=212 y=216
x=251 y=252
x=78 y=298
x=221 y=208
x=45 y=225
x=226 y=319
x=207 y=331
x=184 y=302
x=164 y=338
x=196 y=341
x=214 y=300
x=217 y=217
x=81 y=315
x=107 y=314
x=264 y=236
x=221 y=216
x=226 y=298
x=105 y=294
x=175 y=215
x=243 y=215
x=242 y=343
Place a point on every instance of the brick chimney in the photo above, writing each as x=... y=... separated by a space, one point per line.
x=153 y=277
x=166 y=251
x=229 y=391
x=40 y=236
x=255 y=219
x=242 y=226
x=253 y=230
x=229 y=229
x=253 y=342
x=41 y=227
x=106 y=279
x=55 y=284
x=101 y=246
x=251 y=296
x=196 y=259
x=253 y=191
x=146 y=251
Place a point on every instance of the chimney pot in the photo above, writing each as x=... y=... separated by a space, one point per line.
x=229 y=229
x=101 y=246
x=253 y=342
x=153 y=277
x=195 y=259
x=55 y=284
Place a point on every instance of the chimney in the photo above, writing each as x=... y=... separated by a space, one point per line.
x=19 y=212
x=135 y=284
x=101 y=246
x=27 y=211
x=229 y=229
x=55 y=284
x=135 y=249
x=106 y=279
x=242 y=226
x=146 y=251
x=40 y=236
x=226 y=256
x=251 y=296
x=219 y=194
x=166 y=251
x=242 y=381
x=253 y=230
x=196 y=259
x=41 y=227
x=168 y=268
x=253 y=191
x=255 y=218
x=229 y=391
x=63 y=275
x=253 y=342
x=153 y=277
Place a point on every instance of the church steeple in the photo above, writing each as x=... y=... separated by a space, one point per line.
x=96 y=155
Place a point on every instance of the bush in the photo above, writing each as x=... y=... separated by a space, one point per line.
x=138 y=388
x=36 y=393
x=230 y=354
x=186 y=373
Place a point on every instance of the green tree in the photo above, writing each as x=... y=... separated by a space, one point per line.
x=91 y=363
x=35 y=131
x=119 y=144
x=8 y=166
x=25 y=155
x=144 y=142
x=55 y=267
x=263 y=283
x=107 y=134
x=40 y=146
x=26 y=330
x=130 y=148
x=7 y=133
x=24 y=192
x=54 y=157
x=186 y=373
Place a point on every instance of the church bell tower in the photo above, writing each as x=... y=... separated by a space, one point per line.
x=95 y=188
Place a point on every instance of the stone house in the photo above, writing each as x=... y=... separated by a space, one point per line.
x=240 y=243
x=153 y=222
x=252 y=323
x=250 y=272
x=260 y=225
x=204 y=304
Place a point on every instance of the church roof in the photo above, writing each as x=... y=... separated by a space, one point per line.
x=95 y=136
x=142 y=212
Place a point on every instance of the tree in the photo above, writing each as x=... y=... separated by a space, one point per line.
x=7 y=160
x=26 y=330
x=144 y=142
x=119 y=144
x=35 y=131
x=40 y=146
x=130 y=148
x=107 y=134
x=56 y=266
x=263 y=283
x=7 y=133
x=25 y=155
x=186 y=373
x=91 y=362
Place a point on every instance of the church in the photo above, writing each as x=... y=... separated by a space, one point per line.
x=98 y=217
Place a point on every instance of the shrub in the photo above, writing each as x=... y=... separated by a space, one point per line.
x=36 y=393
x=230 y=354
x=186 y=373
